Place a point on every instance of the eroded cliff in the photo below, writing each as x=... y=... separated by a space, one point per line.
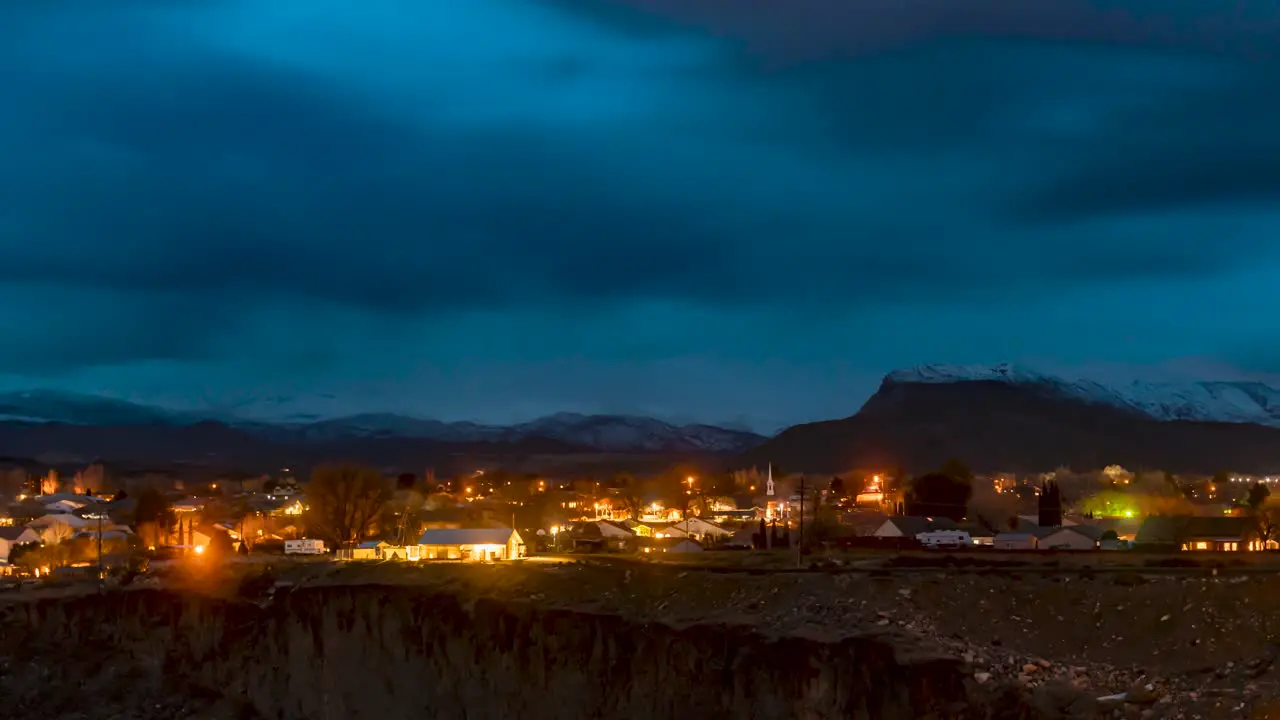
x=397 y=652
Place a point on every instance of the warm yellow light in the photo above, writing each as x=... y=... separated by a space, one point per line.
x=689 y=480
x=468 y=491
x=199 y=549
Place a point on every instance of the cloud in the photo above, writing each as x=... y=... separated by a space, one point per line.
x=615 y=182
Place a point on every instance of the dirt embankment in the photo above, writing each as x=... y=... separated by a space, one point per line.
x=385 y=652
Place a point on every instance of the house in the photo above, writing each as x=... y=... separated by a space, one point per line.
x=400 y=552
x=364 y=551
x=472 y=544
x=744 y=538
x=670 y=545
x=602 y=536
x=1015 y=541
x=12 y=536
x=380 y=550
x=979 y=534
x=56 y=527
x=637 y=527
x=1071 y=537
x=188 y=504
x=1194 y=533
x=911 y=526
x=65 y=502
x=673 y=530
x=864 y=524
x=699 y=529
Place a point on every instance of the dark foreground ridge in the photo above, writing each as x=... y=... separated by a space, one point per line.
x=390 y=652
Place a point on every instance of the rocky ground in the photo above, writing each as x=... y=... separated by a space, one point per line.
x=1132 y=643
x=1157 y=643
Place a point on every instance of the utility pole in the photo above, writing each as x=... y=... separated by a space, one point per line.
x=800 y=541
x=101 y=580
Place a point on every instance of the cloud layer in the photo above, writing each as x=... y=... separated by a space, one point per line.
x=504 y=207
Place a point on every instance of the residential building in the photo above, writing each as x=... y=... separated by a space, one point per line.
x=472 y=544
x=911 y=526
x=670 y=545
x=1015 y=541
x=602 y=536
x=1071 y=537
x=14 y=536
x=1195 y=533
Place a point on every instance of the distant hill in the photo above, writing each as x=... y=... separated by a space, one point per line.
x=1005 y=418
x=73 y=427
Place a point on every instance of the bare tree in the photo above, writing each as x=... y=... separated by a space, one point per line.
x=345 y=502
x=1267 y=519
x=56 y=533
x=629 y=494
x=49 y=483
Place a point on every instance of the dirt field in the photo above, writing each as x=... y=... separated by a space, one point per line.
x=1180 y=642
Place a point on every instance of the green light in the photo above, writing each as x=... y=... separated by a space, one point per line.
x=1128 y=513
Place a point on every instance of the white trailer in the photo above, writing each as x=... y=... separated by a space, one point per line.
x=944 y=539
x=303 y=547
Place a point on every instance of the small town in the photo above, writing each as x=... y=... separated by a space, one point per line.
x=55 y=528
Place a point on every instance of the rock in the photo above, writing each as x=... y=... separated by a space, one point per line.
x=1142 y=695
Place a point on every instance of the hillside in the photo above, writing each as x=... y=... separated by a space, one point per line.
x=1020 y=422
x=216 y=445
x=69 y=428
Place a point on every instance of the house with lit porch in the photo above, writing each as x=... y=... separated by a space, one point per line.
x=1205 y=534
x=471 y=544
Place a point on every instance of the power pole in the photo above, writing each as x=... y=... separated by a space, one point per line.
x=101 y=580
x=800 y=541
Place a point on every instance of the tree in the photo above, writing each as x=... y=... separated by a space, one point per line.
x=152 y=516
x=958 y=470
x=629 y=494
x=1050 y=505
x=1258 y=495
x=1267 y=521
x=939 y=494
x=56 y=533
x=345 y=501
x=220 y=545
x=49 y=483
x=836 y=489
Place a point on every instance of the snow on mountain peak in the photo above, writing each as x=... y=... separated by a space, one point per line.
x=942 y=373
x=1206 y=401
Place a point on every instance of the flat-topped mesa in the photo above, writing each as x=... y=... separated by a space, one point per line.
x=1227 y=401
x=943 y=373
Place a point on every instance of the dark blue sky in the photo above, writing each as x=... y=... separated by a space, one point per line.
x=710 y=209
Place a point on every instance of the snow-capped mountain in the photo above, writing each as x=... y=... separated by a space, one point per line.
x=610 y=433
x=623 y=432
x=1207 y=401
x=54 y=406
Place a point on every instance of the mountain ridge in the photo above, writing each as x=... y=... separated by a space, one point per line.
x=606 y=433
x=1226 y=401
x=1005 y=418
